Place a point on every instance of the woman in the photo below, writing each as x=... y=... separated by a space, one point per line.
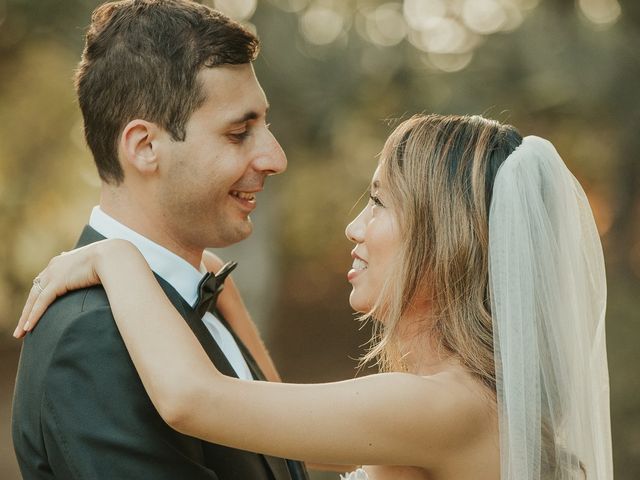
x=478 y=259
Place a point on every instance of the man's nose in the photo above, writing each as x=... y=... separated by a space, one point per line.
x=271 y=159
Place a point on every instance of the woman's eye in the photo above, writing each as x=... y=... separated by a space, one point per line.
x=376 y=200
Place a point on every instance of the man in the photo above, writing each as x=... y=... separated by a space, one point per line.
x=176 y=121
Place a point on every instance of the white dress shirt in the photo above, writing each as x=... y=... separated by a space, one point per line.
x=181 y=275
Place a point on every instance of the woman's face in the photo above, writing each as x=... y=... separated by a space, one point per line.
x=375 y=233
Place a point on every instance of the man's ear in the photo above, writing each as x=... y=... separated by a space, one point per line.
x=137 y=146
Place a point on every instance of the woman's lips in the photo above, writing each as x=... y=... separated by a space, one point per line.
x=357 y=267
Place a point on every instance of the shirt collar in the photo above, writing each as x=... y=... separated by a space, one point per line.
x=179 y=273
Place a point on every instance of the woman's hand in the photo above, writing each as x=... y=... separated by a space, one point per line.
x=68 y=271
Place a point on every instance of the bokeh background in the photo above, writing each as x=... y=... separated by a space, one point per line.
x=339 y=76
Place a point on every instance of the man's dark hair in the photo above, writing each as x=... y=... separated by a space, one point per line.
x=141 y=60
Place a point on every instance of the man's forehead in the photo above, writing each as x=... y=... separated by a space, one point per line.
x=233 y=93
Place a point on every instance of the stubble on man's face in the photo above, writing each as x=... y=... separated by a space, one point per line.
x=203 y=175
x=194 y=210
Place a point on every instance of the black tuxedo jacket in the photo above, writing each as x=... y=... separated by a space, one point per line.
x=80 y=410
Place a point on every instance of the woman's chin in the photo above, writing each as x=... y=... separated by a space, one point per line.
x=358 y=304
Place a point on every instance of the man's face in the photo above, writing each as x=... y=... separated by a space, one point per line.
x=209 y=181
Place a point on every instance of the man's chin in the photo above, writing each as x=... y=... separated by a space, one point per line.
x=231 y=236
x=244 y=229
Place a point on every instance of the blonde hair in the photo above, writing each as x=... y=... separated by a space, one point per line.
x=439 y=171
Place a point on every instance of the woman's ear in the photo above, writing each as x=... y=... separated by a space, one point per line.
x=137 y=147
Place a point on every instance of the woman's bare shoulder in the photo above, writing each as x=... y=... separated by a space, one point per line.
x=438 y=419
x=466 y=407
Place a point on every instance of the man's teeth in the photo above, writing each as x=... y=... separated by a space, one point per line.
x=244 y=196
x=359 y=264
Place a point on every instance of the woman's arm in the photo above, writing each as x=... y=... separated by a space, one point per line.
x=231 y=305
x=397 y=419
x=77 y=269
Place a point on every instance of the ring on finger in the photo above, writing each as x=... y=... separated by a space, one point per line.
x=38 y=285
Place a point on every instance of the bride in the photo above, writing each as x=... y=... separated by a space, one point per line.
x=478 y=259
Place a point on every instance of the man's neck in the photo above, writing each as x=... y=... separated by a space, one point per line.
x=137 y=220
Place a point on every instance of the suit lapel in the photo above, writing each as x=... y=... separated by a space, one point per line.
x=279 y=466
x=251 y=362
x=209 y=345
x=89 y=235
x=282 y=469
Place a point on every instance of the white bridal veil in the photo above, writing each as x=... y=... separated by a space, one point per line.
x=548 y=296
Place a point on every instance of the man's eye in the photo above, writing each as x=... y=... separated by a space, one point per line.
x=239 y=137
x=376 y=200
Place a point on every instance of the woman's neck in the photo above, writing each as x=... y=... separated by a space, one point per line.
x=420 y=350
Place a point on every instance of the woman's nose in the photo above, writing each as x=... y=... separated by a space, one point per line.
x=355 y=229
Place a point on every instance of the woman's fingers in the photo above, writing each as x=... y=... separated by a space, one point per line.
x=46 y=297
x=68 y=271
x=34 y=293
x=47 y=286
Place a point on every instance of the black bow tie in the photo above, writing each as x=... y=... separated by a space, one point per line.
x=210 y=287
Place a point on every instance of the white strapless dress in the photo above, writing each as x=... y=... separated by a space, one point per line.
x=359 y=474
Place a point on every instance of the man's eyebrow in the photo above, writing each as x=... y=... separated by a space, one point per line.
x=250 y=115
x=245 y=118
